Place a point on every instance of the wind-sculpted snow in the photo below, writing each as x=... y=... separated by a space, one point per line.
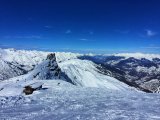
x=68 y=102
x=84 y=73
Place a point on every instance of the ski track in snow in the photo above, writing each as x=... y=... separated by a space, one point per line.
x=68 y=102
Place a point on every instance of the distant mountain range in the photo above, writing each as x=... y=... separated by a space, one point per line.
x=116 y=71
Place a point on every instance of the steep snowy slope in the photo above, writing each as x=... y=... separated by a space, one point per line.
x=79 y=72
x=84 y=73
x=8 y=70
x=48 y=69
x=18 y=62
x=22 y=57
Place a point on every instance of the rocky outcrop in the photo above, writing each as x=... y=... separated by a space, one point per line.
x=152 y=85
x=53 y=68
x=48 y=69
x=29 y=89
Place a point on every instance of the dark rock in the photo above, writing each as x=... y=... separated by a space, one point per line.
x=51 y=56
x=28 y=90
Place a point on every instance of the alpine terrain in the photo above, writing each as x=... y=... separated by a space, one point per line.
x=71 y=86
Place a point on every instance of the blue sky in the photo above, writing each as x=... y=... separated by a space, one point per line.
x=102 y=26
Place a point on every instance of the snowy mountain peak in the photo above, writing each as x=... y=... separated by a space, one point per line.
x=48 y=69
x=138 y=55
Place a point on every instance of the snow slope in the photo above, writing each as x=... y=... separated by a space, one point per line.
x=48 y=69
x=18 y=62
x=84 y=73
x=93 y=97
x=80 y=72
x=9 y=70
x=23 y=57
x=32 y=57
x=68 y=102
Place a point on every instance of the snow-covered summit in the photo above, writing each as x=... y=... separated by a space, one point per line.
x=23 y=57
x=18 y=62
x=32 y=57
x=138 y=55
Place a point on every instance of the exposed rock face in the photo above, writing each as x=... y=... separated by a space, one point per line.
x=152 y=85
x=48 y=69
x=51 y=56
x=53 y=67
x=9 y=70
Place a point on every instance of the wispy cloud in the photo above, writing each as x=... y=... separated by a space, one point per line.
x=24 y=37
x=95 y=51
x=151 y=47
x=4 y=46
x=68 y=31
x=150 y=33
x=85 y=40
x=25 y=47
x=48 y=26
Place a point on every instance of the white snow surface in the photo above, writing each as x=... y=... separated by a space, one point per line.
x=138 y=55
x=84 y=73
x=23 y=57
x=68 y=102
x=32 y=57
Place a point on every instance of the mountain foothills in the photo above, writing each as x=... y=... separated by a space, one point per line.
x=141 y=71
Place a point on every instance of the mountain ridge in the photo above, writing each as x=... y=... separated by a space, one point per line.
x=125 y=69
